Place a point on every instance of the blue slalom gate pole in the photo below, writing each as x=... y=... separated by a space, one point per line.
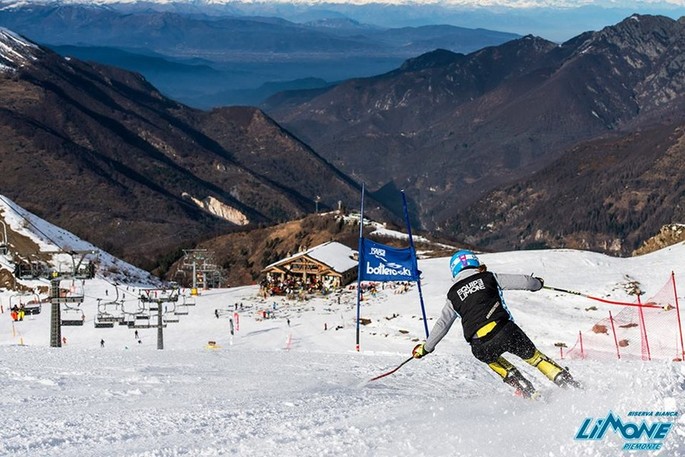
x=416 y=264
x=359 y=267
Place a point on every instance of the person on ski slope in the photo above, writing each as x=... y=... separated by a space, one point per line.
x=476 y=297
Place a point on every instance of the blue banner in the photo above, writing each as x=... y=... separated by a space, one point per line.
x=378 y=262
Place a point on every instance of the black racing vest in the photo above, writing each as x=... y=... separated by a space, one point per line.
x=477 y=301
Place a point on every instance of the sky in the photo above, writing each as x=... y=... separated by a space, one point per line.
x=293 y=384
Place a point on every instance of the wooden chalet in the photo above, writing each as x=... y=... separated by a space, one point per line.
x=332 y=264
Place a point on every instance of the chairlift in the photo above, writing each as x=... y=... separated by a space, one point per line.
x=144 y=325
x=33 y=306
x=99 y=323
x=140 y=318
x=72 y=294
x=72 y=316
x=107 y=318
x=133 y=318
x=171 y=318
x=135 y=324
x=182 y=309
x=84 y=268
x=111 y=311
x=129 y=317
x=24 y=270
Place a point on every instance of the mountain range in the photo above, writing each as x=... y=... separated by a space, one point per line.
x=102 y=153
x=450 y=128
x=555 y=20
x=522 y=145
x=213 y=56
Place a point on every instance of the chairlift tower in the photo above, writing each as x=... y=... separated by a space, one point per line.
x=160 y=297
x=57 y=298
x=201 y=262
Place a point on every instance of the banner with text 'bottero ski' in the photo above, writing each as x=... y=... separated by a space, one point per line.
x=378 y=262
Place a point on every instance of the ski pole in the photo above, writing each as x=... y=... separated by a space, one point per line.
x=566 y=291
x=611 y=302
x=391 y=371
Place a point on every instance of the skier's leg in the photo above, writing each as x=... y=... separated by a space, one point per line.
x=552 y=370
x=510 y=375
x=546 y=365
x=501 y=366
x=523 y=347
x=490 y=350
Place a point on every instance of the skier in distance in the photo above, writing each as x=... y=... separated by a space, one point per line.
x=476 y=297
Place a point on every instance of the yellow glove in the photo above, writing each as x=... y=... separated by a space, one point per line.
x=419 y=351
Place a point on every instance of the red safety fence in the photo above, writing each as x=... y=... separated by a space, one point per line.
x=645 y=330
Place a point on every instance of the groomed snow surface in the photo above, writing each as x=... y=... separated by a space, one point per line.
x=279 y=389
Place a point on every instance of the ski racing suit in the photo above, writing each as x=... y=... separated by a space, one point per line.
x=476 y=297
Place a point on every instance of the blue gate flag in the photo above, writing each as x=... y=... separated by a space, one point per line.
x=378 y=262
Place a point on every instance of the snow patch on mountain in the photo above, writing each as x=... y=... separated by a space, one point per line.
x=15 y=51
x=220 y=209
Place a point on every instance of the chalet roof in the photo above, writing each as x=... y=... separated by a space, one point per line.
x=335 y=255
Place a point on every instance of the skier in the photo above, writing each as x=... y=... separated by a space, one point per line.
x=476 y=297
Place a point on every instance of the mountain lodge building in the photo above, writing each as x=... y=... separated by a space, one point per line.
x=331 y=265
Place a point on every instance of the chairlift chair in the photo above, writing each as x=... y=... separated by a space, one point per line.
x=98 y=323
x=170 y=318
x=111 y=311
x=33 y=306
x=72 y=316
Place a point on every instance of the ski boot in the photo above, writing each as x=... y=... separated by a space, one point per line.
x=554 y=372
x=523 y=387
x=565 y=380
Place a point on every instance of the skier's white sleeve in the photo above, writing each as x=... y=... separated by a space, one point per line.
x=518 y=282
x=447 y=317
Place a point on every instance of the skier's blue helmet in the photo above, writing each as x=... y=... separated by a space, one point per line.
x=461 y=260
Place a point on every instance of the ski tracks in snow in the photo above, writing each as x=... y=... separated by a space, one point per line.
x=289 y=403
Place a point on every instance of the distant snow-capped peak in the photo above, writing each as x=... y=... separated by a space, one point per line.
x=15 y=51
x=453 y=3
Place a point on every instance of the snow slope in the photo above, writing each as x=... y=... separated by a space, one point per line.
x=60 y=242
x=285 y=386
